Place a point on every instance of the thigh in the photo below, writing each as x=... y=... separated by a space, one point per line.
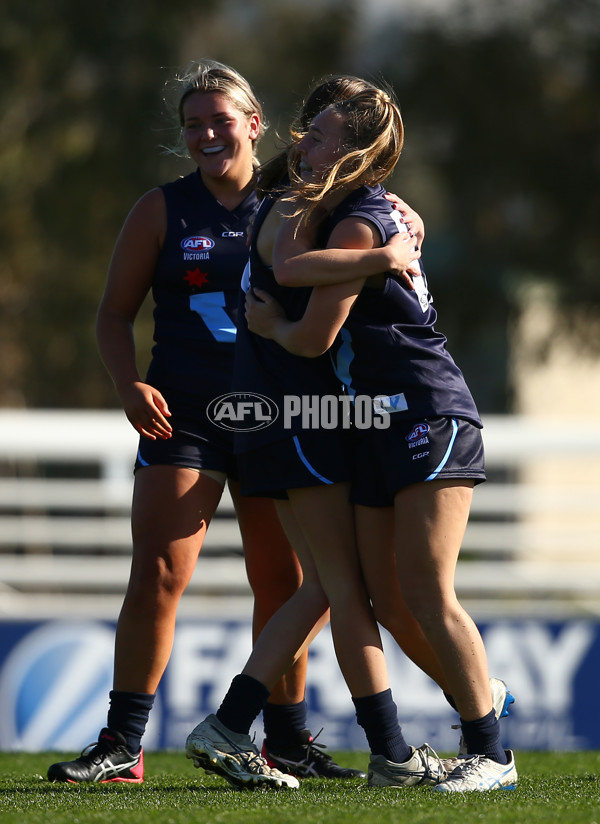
x=430 y=522
x=297 y=539
x=171 y=511
x=325 y=516
x=375 y=538
x=271 y=562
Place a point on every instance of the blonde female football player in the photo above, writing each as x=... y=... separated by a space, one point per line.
x=413 y=479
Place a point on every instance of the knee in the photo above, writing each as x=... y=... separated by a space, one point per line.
x=431 y=606
x=391 y=622
x=273 y=577
x=314 y=599
x=273 y=588
x=157 y=582
x=422 y=595
x=395 y=617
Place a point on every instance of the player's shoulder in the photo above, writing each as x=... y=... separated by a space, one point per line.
x=368 y=204
x=189 y=187
x=148 y=212
x=362 y=201
x=372 y=199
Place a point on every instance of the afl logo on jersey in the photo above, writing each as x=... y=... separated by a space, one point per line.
x=197 y=243
x=419 y=430
x=242 y=411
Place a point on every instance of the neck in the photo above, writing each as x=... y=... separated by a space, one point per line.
x=228 y=191
x=330 y=201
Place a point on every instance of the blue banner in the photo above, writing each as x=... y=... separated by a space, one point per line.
x=55 y=677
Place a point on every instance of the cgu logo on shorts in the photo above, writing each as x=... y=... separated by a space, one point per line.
x=419 y=430
x=197 y=243
x=242 y=411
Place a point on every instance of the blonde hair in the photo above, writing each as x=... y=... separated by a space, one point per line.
x=205 y=76
x=273 y=173
x=374 y=136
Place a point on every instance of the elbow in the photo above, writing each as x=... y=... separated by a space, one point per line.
x=287 y=273
x=286 y=278
x=312 y=348
x=311 y=352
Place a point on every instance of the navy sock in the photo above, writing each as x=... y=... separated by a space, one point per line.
x=378 y=716
x=482 y=737
x=245 y=699
x=128 y=714
x=284 y=723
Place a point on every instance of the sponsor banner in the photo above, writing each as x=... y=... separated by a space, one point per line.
x=55 y=677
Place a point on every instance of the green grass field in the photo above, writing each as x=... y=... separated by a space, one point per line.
x=563 y=787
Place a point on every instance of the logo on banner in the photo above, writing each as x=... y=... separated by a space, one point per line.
x=55 y=679
x=54 y=687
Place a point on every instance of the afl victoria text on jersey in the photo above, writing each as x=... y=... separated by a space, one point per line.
x=195 y=288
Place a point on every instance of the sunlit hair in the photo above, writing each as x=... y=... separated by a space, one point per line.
x=205 y=76
x=374 y=135
x=330 y=89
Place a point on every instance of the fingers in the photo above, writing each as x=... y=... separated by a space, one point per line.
x=406 y=279
x=155 y=426
x=158 y=413
x=396 y=201
x=147 y=410
x=152 y=423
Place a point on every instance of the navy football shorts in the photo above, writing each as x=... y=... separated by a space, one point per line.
x=387 y=460
x=187 y=447
x=311 y=458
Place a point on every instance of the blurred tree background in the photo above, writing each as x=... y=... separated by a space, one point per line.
x=501 y=104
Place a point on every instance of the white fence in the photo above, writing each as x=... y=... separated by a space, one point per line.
x=532 y=546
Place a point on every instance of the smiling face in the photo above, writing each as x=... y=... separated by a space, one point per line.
x=219 y=137
x=321 y=146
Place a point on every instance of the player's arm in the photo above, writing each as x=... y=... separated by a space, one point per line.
x=297 y=263
x=327 y=308
x=128 y=282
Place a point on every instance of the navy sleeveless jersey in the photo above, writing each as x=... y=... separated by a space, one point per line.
x=388 y=347
x=266 y=368
x=195 y=288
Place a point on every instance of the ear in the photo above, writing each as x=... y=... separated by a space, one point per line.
x=254 y=123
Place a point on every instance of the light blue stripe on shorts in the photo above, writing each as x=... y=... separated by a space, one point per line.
x=307 y=464
x=444 y=460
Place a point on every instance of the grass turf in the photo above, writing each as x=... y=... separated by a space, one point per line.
x=552 y=787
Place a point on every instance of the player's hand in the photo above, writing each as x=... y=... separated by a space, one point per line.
x=262 y=312
x=146 y=410
x=403 y=257
x=413 y=221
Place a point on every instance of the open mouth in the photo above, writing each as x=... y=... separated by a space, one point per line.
x=212 y=150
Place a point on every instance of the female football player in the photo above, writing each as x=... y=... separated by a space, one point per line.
x=413 y=475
